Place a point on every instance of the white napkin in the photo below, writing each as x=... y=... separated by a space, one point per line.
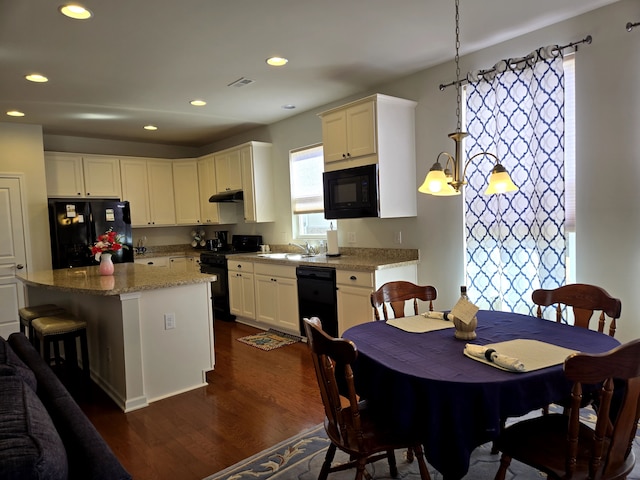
x=438 y=315
x=509 y=363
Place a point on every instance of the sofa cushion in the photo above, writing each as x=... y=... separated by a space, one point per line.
x=10 y=364
x=30 y=447
x=88 y=454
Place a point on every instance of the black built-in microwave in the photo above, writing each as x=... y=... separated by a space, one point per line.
x=351 y=193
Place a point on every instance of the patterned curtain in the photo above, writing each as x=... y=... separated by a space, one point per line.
x=515 y=242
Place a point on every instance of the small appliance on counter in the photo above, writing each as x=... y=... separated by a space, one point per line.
x=218 y=242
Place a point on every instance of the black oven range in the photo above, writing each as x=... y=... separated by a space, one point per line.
x=214 y=261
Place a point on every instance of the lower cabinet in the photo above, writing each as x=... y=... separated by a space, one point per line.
x=276 y=292
x=268 y=293
x=241 y=289
x=153 y=261
x=355 y=288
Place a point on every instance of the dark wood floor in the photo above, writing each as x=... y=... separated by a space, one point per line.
x=254 y=399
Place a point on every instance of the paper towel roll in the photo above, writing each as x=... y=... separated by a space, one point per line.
x=332 y=242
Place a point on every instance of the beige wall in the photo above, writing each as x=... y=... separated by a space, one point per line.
x=21 y=152
x=608 y=170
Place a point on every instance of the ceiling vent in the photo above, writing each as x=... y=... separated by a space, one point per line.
x=241 y=82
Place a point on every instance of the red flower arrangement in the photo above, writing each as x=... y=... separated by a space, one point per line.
x=108 y=242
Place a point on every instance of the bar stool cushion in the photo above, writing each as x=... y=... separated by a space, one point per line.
x=34 y=311
x=58 y=324
x=10 y=364
x=31 y=445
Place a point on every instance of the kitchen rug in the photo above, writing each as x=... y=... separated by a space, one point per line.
x=269 y=340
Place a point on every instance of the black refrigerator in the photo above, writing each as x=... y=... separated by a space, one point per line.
x=76 y=224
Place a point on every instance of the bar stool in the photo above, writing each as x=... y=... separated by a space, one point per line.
x=66 y=328
x=28 y=314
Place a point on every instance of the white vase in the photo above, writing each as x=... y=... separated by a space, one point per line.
x=106 y=264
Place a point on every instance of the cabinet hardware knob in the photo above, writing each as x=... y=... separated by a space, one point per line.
x=353 y=277
x=348 y=154
x=344 y=155
x=19 y=266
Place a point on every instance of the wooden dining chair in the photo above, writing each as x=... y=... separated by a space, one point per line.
x=561 y=445
x=348 y=423
x=584 y=299
x=395 y=294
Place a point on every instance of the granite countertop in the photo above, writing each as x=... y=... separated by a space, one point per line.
x=127 y=278
x=364 y=259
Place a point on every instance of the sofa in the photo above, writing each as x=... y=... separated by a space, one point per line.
x=43 y=432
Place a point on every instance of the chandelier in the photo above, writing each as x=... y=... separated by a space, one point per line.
x=450 y=179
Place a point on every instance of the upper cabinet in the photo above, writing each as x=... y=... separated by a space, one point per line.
x=186 y=191
x=228 y=171
x=376 y=130
x=349 y=132
x=212 y=213
x=148 y=186
x=74 y=175
x=257 y=182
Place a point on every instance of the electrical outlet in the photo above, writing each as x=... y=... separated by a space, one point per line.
x=397 y=237
x=169 y=321
x=351 y=237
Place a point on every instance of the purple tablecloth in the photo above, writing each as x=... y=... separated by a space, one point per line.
x=421 y=384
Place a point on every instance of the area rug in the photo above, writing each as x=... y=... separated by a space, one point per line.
x=269 y=340
x=300 y=458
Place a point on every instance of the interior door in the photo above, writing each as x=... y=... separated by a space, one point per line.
x=12 y=254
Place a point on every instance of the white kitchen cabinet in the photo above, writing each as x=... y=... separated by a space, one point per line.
x=186 y=191
x=178 y=264
x=355 y=288
x=241 y=289
x=228 y=170
x=257 y=182
x=349 y=132
x=388 y=122
x=162 y=262
x=276 y=292
x=74 y=175
x=212 y=213
x=161 y=198
x=193 y=264
x=148 y=186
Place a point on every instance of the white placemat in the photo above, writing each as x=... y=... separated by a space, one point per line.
x=419 y=324
x=534 y=354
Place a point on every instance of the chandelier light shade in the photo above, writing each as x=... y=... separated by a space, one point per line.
x=449 y=180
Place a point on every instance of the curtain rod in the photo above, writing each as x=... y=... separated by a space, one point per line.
x=515 y=61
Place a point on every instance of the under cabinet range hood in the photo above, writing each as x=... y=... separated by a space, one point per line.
x=227 y=197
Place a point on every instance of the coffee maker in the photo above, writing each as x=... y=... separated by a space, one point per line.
x=219 y=241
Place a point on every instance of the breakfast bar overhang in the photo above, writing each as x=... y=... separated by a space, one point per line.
x=149 y=329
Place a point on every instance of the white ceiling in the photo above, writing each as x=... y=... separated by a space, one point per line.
x=139 y=62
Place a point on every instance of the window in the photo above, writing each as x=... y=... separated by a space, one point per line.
x=307 y=204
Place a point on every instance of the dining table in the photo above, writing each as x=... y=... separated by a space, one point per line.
x=422 y=385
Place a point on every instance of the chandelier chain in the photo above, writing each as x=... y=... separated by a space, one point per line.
x=457 y=59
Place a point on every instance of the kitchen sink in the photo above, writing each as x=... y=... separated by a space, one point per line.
x=285 y=256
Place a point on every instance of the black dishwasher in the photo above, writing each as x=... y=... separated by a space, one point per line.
x=317 y=297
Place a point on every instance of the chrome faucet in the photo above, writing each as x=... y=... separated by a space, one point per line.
x=307 y=248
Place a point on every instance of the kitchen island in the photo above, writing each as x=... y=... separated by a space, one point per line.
x=150 y=331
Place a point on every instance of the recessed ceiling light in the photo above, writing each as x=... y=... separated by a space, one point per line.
x=15 y=113
x=288 y=106
x=36 y=77
x=198 y=103
x=75 y=11
x=277 y=61
x=150 y=127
